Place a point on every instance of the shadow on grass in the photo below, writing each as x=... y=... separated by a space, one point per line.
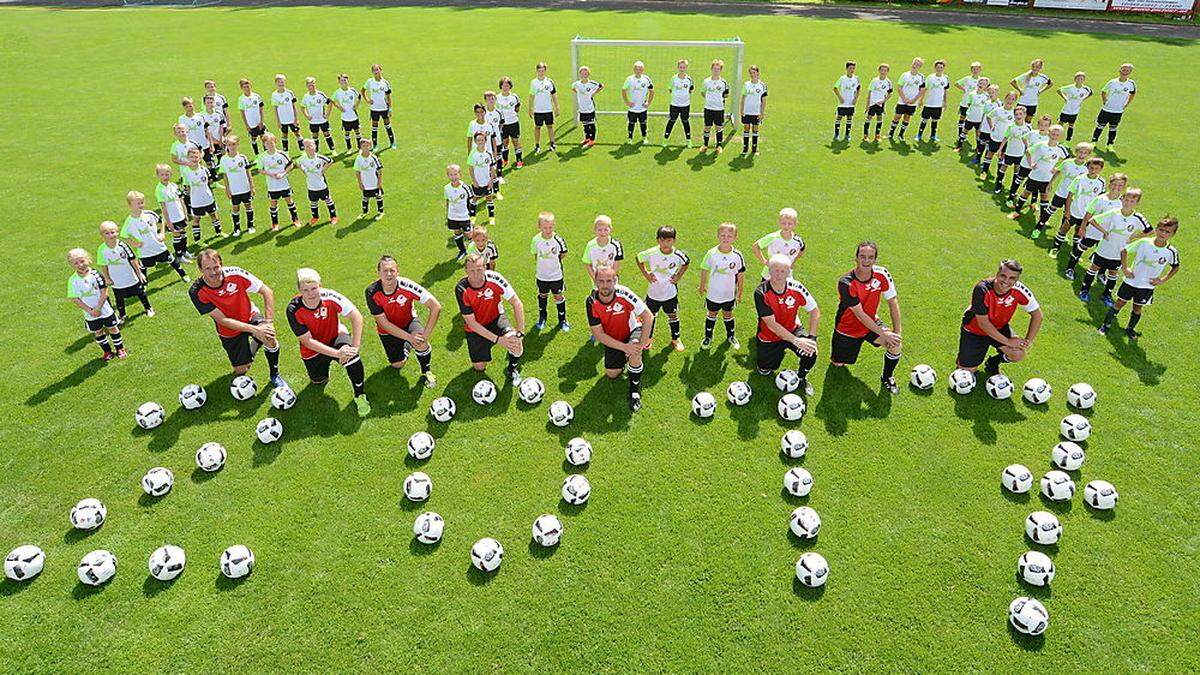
x=1127 y=353
x=1029 y=643
x=440 y=272
x=478 y=578
x=1058 y=508
x=845 y=398
x=76 y=535
x=223 y=583
x=799 y=542
x=541 y=552
x=359 y=223
x=220 y=404
x=1103 y=515
x=152 y=587
x=61 y=384
x=1015 y=498
x=392 y=393
x=572 y=509
x=8 y=587
x=985 y=413
x=703 y=369
x=83 y=591
x=805 y=593
x=417 y=548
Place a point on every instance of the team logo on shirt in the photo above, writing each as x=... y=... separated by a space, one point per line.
x=615 y=309
x=789 y=302
x=398 y=300
x=874 y=285
x=488 y=294
x=230 y=288
x=1007 y=301
x=321 y=313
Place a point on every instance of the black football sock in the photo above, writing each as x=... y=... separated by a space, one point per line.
x=285 y=142
x=391 y=137
x=933 y=127
x=254 y=144
x=179 y=241
x=1001 y=169
x=1088 y=279
x=745 y=141
x=706 y=134
x=878 y=126
x=458 y=241
x=890 y=361
x=867 y=126
x=329 y=141
x=249 y=218
x=424 y=359
x=720 y=136
x=347 y=138
x=1096 y=133
x=1112 y=135
x=379 y=204
x=993 y=363
x=1070 y=131
x=216 y=223
x=1076 y=254
x=1022 y=202
x=978 y=151
x=635 y=379
x=312 y=207
x=710 y=324
x=962 y=131
x=366 y=204
x=237 y=221
x=102 y=340
x=272 y=360
x=514 y=360
x=292 y=211
x=504 y=154
x=1134 y=318
x=892 y=129
x=806 y=364
x=118 y=342
x=1109 y=318
x=903 y=129
x=754 y=141
x=670 y=125
x=562 y=310
x=629 y=130
x=921 y=128
x=729 y=332
x=642 y=126
x=542 y=303
x=331 y=206
x=375 y=136
x=687 y=127
x=1060 y=239
x=518 y=154
x=1110 y=282
x=175 y=265
x=674 y=324
x=274 y=211
x=354 y=370
x=491 y=209
x=196 y=232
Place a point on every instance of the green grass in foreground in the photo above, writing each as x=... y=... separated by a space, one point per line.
x=682 y=559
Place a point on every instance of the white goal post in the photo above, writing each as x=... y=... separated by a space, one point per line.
x=611 y=61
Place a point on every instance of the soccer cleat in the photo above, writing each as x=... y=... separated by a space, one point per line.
x=499 y=197
x=314 y=221
x=1107 y=300
x=958 y=147
x=363 y=405
x=733 y=342
x=120 y=320
x=333 y=220
x=1036 y=233
x=806 y=386
x=1085 y=296
x=250 y=230
x=1053 y=252
x=392 y=146
x=720 y=149
x=187 y=279
x=704 y=148
x=492 y=220
x=237 y=233
x=460 y=256
x=429 y=378
x=108 y=356
x=564 y=327
x=1132 y=334
x=122 y=354
x=553 y=147
x=983 y=175
x=520 y=164
x=277 y=381
x=866 y=138
x=514 y=375
x=1014 y=215
x=540 y=325
x=706 y=343
x=936 y=139
x=1069 y=274
x=889 y=384
x=536 y=149
x=678 y=345
x=635 y=401
x=296 y=222
x=1103 y=329
x=150 y=312
x=998 y=190
x=919 y=139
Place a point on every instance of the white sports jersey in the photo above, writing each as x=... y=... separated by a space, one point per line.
x=910 y=85
x=936 y=87
x=1120 y=229
x=252 y=107
x=662 y=266
x=847 y=86
x=878 y=90
x=976 y=103
x=377 y=93
x=773 y=244
x=1000 y=119
x=275 y=163
x=508 y=105
x=216 y=123
x=1045 y=158
x=1033 y=138
x=197 y=129
x=457 y=200
x=715 y=93
x=595 y=253
x=199 y=192
x=171 y=198
x=1147 y=261
x=117 y=260
x=368 y=169
x=1074 y=98
x=312 y=168
x=346 y=98
x=681 y=90
x=638 y=90
x=1016 y=136
x=87 y=288
x=485 y=128
x=753 y=94
x=1031 y=87
x=548 y=253
x=542 y=90
x=220 y=102
x=494 y=120
x=723 y=269
x=481 y=162
x=236 y=170
x=1068 y=171
x=144 y=229
x=1101 y=204
x=1083 y=190
x=285 y=106
x=1118 y=93
x=315 y=105
x=969 y=83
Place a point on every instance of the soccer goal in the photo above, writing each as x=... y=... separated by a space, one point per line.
x=611 y=61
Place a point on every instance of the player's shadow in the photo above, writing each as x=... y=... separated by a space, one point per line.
x=575 y=152
x=219 y=405
x=61 y=384
x=654 y=365
x=742 y=162
x=440 y=272
x=703 y=369
x=457 y=337
x=83 y=341
x=151 y=587
x=1103 y=515
x=316 y=413
x=82 y=590
x=603 y=410
x=1110 y=158
x=223 y=583
x=583 y=366
x=245 y=242
x=844 y=397
x=360 y=223
x=626 y=150
x=928 y=148
x=1126 y=352
x=291 y=235
x=900 y=147
x=668 y=154
x=1029 y=643
x=394 y=390
x=869 y=147
x=702 y=160
x=985 y=412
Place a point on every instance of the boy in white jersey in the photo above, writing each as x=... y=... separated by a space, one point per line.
x=1067 y=171
x=121 y=269
x=1040 y=134
x=722 y=273
x=88 y=291
x=784 y=241
x=549 y=249
x=976 y=104
x=967 y=84
x=1086 y=234
x=216 y=126
x=879 y=90
x=1030 y=85
x=250 y=105
x=937 y=86
x=985 y=124
x=1082 y=190
x=1044 y=159
x=196 y=128
x=201 y=200
x=378 y=93
x=143 y=232
x=1001 y=118
x=716 y=90
x=482 y=245
x=284 y=103
x=174 y=209
x=1117 y=228
x=492 y=114
x=637 y=93
x=1073 y=96
x=845 y=90
x=543 y=107
x=753 y=110
x=1116 y=95
x=603 y=248
x=235 y=167
x=483 y=174
x=369 y=171
x=663 y=266
x=910 y=90
x=682 y=87
x=275 y=165
x=316 y=106
x=460 y=207
x=1142 y=264
x=314 y=166
x=222 y=104
x=1012 y=149
x=509 y=105
x=345 y=100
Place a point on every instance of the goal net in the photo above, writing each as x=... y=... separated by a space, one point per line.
x=611 y=61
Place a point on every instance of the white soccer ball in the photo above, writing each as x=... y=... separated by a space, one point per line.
x=1067 y=456
x=962 y=381
x=428 y=528
x=417 y=486
x=24 y=562
x=442 y=409
x=158 y=481
x=576 y=489
x=999 y=387
x=1016 y=478
x=787 y=381
x=738 y=393
x=282 y=398
x=97 y=567
x=578 y=451
x=237 y=561
x=1035 y=568
x=210 y=457
x=704 y=405
x=923 y=376
x=531 y=390
x=1037 y=391
x=1057 y=486
x=243 y=387
x=149 y=415
x=269 y=430
x=791 y=407
x=1100 y=494
x=812 y=569
x=192 y=397
x=420 y=445
x=1075 y=428
x=805 y=523
x=484 y=392
x=167 y=562
x=1028 y=616
x=1081 y=396
x=487 y=554
x=798 y=481
x=88 y=514
x=547 y=530
x=1043 y=527
x=793 y=443
x=560 y=413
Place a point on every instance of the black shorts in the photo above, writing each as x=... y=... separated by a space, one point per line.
x=714 y=118
x=481 y=190
x=1030 y=110
x=666 y=306
x=769 y=355
x=845 y=349
x=1074 y=222
x=1023 y=171
x=94 y=325
x=752 y=120
x=210 y=209
x=511 y=130
x=543 y=119
x=551 y=287
x=157 y=259
x=1106 y=264
x=962 y=111
x=1058 y=202
x=718 y=306
x=373 y=194
x=317 y=365
x=1139 y=296
x=681 y=111
x=243 y=198
x=587 y=117
x=1067 y=118
x=1087 y=242
x=993 y=145
x=129 y=291
x=241 y=348
x=396 y=348
x=313 y=128
x=968 y=125
x=931 y=113
x=318 y=195
x=1010 y=160
x=1035 y=186
x=973 y=349
x=480 y=348
x=615 y=359
x=349 y=125
x=845 y=111
x=177 y=227
x=1104 y=117
x=385 y=115
x=257 y=131
x=905 y=108
x=294 y=128
x=631 y=116
x=458 y=225
x=875 y=110
x=276 y=195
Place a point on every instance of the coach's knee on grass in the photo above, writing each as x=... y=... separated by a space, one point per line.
x=612 y=373
x=399 y=364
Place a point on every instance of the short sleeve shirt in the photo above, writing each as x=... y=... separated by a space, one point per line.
x=999 y=309
x=485 y=302
x=784 y=307
x=854 y=292
x=397 y=306
x=231 y=297
x=618 y=317
x=320 y=321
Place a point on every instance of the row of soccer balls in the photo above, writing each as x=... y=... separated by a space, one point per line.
x=99 y=566
x=1080 y=395
x=1058 y=486
x=811 y=569
x=487 y=553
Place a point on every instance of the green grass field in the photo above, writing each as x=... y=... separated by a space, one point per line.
x=682 y=559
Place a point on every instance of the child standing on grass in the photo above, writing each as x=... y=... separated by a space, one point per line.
x=143 y=231
x=238 y=186
x=1142 y=264
x=369 y=170
x=314 y=167
x=603 y=248
x=87 y=290
x=174 y=211
x=722 y=273
x=483 y=174
x=879 y=90
x=482 y=245
x=663 y=266
x=1073 y=96
x=275 y=165
x=460 y=207
x=549 y=249
x=201 y=201
x=122 y=271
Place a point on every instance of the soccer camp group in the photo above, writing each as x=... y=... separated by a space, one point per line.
x=207 y=157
